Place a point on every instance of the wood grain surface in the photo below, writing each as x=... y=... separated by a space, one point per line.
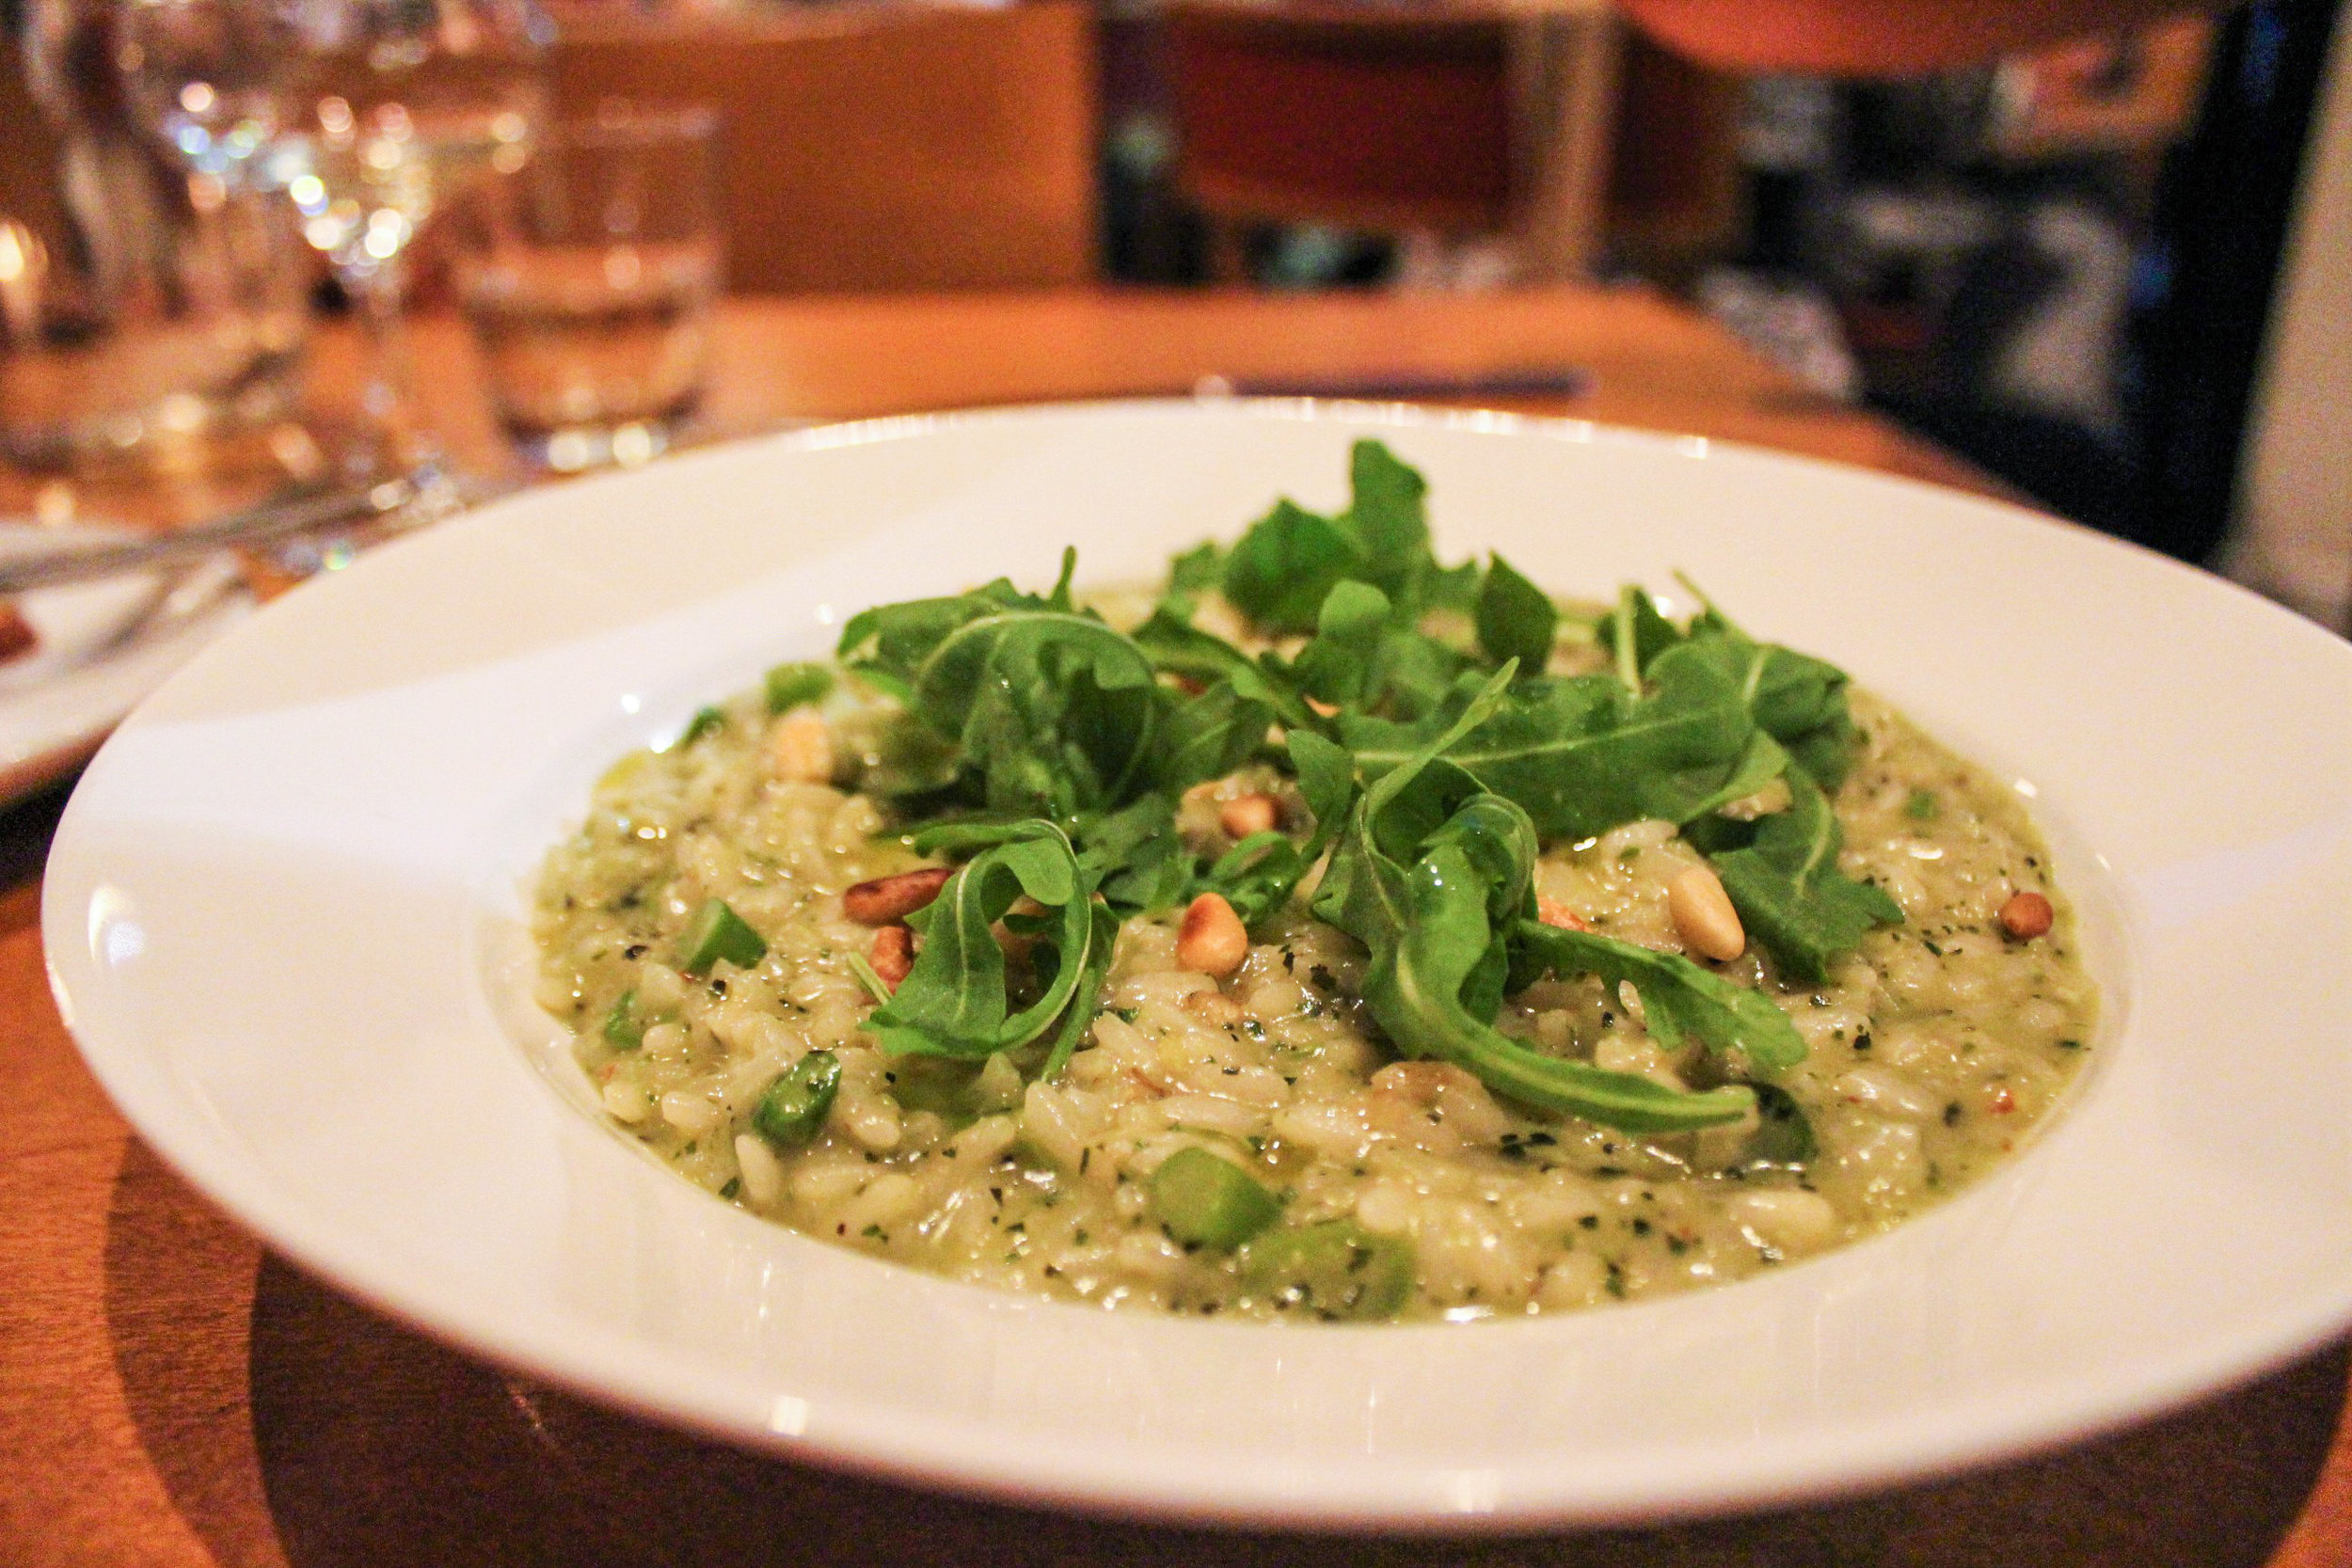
x=171 y=1393
x=873 y=145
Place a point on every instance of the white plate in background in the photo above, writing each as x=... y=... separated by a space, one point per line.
x=101 y=647
x=279 y=905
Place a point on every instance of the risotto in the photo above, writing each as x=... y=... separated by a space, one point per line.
x=1333 y=935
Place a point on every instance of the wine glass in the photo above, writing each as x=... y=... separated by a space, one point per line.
x=371 y=116
x=151 y=316
x=205 y=78
x=394 y=108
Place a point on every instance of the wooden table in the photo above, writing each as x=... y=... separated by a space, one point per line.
x=171 y=1393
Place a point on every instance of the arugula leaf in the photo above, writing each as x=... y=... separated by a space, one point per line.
x=1800 y=699
x=1094 y=972
x=1363 y=657
x=1258 y=875
x=1436 y=965
x=1287 y=564
x=955 y=1000
x=1206 y=737
x=1678 y=998
x=1453 y=587
x=1414 y=675
x=1790 y=892
x=1582 y=754
x=890 y=640
x=1057 y=717
x=1359 y=657
x=1514 y=618
x=1134 y=855
x=1198 y=570
x=787 y=685
x=1326 y=777
x=1339 y=664
x=902 y=756
x=1291 y=558
x=1360 y=582
x=1802 y=702
x=1636 y=626
x=1688 y=797
x=1706 y=720
x=1045 y=711
x=1431 y=875
x=1177 y=647
x=1052 y=711
x=1386 y=514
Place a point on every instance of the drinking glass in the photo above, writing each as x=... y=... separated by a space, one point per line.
x=590 y=286
x=145 y=311
x=392 y=110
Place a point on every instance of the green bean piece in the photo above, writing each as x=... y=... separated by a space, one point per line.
x=794 y=1106
x=718 y=932
x=622 y=1029
x=1203 y=1201
x=1336 y=1270
x=791 y=685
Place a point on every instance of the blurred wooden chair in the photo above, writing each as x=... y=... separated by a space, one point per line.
x=1457 y=118
x=874 y=148
x=1675 y=198
x=2132 y=96
x=28 y=148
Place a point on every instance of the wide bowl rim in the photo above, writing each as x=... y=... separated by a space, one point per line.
x=953 y=1454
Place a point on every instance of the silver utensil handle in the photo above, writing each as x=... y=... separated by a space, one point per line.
x=262 y=524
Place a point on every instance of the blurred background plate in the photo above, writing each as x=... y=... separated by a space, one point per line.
x=100 y=647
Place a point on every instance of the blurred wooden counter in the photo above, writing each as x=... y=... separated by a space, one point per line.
x=172 y=1394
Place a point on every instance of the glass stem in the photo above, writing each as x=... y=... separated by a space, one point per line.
x=399 y=444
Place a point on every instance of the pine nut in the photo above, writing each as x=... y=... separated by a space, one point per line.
x=1215 y=1008
x=1245 y=814
x=1017 y=944
x=2027 y=916
x=1419 y=1081
x=799 y=748
x=1212 y=939
x=1553 y=913
x=886 y=899
x=1703 y=915
x=892 y=954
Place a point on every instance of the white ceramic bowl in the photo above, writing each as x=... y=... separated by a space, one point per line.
x=282 y=906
